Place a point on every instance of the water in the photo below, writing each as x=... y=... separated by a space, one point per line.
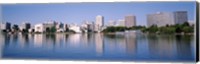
x=105 y=47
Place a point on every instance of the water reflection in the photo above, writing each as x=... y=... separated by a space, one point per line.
x=127 y=46
x=162 y=46
x=2 y=39
x=131 y=43
x=184 y=46
x=38 y=40
x=99 y=43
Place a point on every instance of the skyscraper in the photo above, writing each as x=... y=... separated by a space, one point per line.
x=5 y=26
x=180 y=17
x=26 y=25
x=130 y=21
x=160 y=19
x=99 y=23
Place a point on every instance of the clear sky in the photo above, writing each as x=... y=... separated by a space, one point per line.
x=78 y=12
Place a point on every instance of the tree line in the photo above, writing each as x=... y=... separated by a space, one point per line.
x=169 y=29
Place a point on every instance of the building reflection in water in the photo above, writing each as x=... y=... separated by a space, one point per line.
x=23 y=39
x=164 y=46
x=120 y=44
x=7 y=40
x=99 y=43
x=184 y=46
x=38 y=40
x=84 y=39
x=49 y=41
x=131 y=43
x=60 y=40
x=104 y=45
x=2 y=42
x=74 y=40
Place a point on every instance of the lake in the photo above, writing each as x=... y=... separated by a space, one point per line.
x=98 y=46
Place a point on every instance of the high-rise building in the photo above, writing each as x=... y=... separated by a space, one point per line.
x=180 y=17
x=59 y=25
x=26 y=25
x=66 y=27
x=5 y=25
x=160 y=19
x=99 y=23
x=91 y=26
x=99 y=20
x=130 y=21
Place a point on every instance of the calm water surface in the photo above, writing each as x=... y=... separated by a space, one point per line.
x=118 y=47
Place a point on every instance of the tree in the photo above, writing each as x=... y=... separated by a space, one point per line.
x=48 y=29
x=185 y=24
x=53 y=29
x=24 y=30
x=114 y=29
x=187 y=29
x=153 y=29
x=15 y=27
x=168 y=30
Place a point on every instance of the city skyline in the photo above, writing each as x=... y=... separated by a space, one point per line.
x=78 y=12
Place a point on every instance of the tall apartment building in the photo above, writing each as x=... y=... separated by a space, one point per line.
x=130 y=21
x=25 y=25
x=180 y=17
x=99 y=23
x=160 y=19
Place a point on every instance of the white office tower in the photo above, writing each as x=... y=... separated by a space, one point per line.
x=180 y=17
x=160 y=19
x=99 y=23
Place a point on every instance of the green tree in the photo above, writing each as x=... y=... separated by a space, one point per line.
x=153 y=29
x=48 y=29
x=53 y=29
x=15 y=28
x=169 y=30
x=185 y=24
x=187 y=29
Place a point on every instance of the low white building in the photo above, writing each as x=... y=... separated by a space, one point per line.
x=121 y=22
x=39 y=28
x=112 y=23
x=60 y=30
x=75 y=28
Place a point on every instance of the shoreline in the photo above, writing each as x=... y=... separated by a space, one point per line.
x=108 y=33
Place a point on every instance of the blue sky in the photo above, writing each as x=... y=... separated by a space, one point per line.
x=78 y=12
